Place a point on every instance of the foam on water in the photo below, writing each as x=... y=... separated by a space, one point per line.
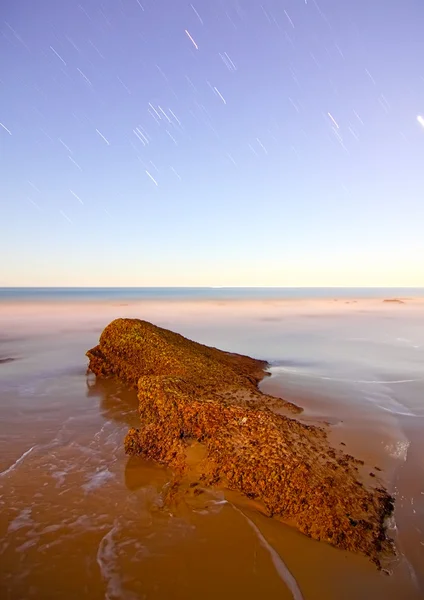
x=372 y=381
x=97 y=480
x=60 y=476
x=391 y=523
x=402 y=413
x=383 y=398
x=301 y=372
x=377 y=392
x=398 y=450
x=107 y=561
x=279 y=565
x=17 y=462
x=23 y=519
x=23 y=548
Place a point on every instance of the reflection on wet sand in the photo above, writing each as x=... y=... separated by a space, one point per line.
x=116 y=401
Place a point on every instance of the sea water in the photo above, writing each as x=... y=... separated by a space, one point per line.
x=78 y=518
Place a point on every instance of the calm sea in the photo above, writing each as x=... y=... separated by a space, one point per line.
x=80 y=519
x=200 y=293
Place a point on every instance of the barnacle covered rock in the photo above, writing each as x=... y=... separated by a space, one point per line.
x=188 y=391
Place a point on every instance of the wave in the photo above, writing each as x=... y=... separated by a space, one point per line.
x=401 y=413
x=279 y=565
x=302 y=373
x=17 y=462
x=107 y=555
x=372 y=381
x=372 y=390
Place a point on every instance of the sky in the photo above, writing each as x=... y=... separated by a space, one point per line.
x=224 y=142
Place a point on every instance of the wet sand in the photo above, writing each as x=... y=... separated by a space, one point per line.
x=77 y=517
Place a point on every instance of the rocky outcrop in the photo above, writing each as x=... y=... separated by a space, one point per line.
x=188 y=391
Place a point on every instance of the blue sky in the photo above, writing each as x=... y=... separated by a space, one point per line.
x=160 y=142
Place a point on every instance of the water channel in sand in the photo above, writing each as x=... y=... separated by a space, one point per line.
x=78 y=518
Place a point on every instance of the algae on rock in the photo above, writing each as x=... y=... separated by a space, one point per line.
x=188 y=391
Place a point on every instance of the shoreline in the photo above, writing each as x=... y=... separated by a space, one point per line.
x=47 y=377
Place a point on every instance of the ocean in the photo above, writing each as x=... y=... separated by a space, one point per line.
x=199 y=293
x=77 y=517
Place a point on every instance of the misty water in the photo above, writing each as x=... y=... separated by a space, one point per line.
x=78 y=517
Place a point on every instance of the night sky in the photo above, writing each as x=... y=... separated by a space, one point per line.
x=224 y=142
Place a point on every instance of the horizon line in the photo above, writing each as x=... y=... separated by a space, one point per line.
x=206 y=287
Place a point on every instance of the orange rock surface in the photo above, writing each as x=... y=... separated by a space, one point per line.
x=188 y=391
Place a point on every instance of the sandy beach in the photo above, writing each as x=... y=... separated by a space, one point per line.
x=78 y=517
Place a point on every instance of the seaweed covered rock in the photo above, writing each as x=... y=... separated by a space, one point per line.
x=188 y=391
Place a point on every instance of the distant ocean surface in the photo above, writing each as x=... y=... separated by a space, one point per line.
x=200 y=293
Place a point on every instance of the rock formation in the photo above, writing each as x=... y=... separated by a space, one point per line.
x=188 y=391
